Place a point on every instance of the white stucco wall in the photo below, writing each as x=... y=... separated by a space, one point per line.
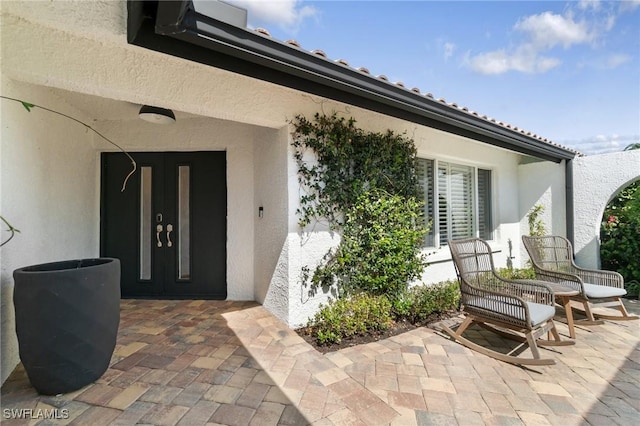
x=541 y=183
x=271 y=259
x=49 y=176
x=37 y=50
x=596 y=180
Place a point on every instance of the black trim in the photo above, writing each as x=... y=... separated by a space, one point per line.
x=175 y=28
x=570 y=215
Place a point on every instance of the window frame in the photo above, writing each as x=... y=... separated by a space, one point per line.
x=475 y=196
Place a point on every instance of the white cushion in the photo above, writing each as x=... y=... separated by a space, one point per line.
x=538 y=313
x=599 y=291
x=594 y=291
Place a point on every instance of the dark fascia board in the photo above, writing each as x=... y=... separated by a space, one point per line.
x=175 y=28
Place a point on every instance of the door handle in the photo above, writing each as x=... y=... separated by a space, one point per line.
x=158 y=231
x=169 y=229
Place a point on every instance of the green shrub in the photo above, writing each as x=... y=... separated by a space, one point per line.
x=363 y=185
x=418 y=303
x=536 y=225
x=517 y=274
x=380 y=251
x=620 y=245
x=356 y=315
x=633 y=288
x=430 y=299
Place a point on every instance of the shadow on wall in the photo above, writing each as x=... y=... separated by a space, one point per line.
x=597 y=179
x=588 y=255
x=593 y=246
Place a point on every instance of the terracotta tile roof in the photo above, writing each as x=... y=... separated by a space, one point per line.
x=453 y=105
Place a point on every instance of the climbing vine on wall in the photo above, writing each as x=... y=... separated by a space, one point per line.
x=346 y=162
x=365 y=185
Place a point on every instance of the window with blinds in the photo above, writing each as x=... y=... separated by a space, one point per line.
x=425 y=178
x=455 y=195
x=485 y=224
x=457 y=201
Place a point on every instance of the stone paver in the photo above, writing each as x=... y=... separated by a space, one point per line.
x=233 y=363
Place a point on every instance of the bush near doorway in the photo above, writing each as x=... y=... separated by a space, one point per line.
x=619 y=242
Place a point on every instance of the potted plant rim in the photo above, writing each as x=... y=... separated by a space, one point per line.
x=67 y=317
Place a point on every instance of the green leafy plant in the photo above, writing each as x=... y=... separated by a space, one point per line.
x=362 y=314
x=346 y=163
x=619 y=242
x=633 y=288
x=11 y=229
x=536 y=225
x=355 y=315
x=431 y=299
x=380 y=251
x=536 y=229
x=517 y=274
x=365 y=186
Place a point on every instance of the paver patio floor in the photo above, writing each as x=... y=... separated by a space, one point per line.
x=233 y=363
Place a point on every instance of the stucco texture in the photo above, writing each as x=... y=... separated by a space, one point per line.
x=48 y=181
x=596 y=180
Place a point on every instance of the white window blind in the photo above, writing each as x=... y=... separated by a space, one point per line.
x=425 y=179
x=455 y=196
x=458 y=201
x=485 y=223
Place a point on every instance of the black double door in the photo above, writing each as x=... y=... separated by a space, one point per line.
x=168 y=227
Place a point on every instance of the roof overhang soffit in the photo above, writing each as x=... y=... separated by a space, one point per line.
x=175 y=28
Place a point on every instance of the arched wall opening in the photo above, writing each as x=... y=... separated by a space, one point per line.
x=597 y=179
x=619 y=243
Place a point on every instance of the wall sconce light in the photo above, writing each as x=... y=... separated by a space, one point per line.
x=260 y=212
x=156 y=115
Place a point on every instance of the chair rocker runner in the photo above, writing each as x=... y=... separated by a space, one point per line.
x=552 y=259
x=521 y=310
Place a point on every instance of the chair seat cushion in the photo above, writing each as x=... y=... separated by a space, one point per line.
x=594 y=291
x=538 y=313
x=599 y=291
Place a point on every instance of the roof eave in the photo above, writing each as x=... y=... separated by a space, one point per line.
x=178 y=30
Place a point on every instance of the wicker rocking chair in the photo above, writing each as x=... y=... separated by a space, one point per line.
x=521 y=310
x=552 y=259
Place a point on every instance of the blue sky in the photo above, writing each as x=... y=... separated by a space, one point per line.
x=568 y=71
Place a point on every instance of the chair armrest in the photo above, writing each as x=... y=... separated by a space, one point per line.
x=532 y=291
x=567 y=279
x=599 y=277
x=503 y=296
x=509 y=302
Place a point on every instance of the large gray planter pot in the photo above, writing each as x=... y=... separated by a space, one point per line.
x=67 y=317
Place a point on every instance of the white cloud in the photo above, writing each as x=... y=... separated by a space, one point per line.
x=548 y=29
x=582 y=23
x=448 y=50
x=601 y=144
x=589 y=4
x=629 y=5
x=616 y=59
x=287 y=14
x=525 y=59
